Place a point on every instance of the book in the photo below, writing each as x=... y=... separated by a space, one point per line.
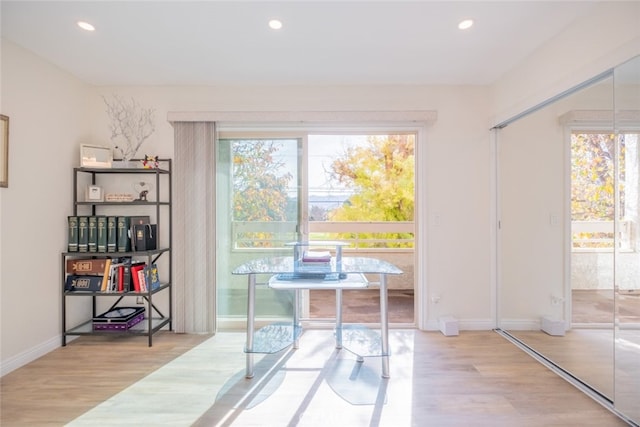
x=316 y=256
x=93 y=234
x=113 y=276
x=83 y=234
x=112 y=236
x=145 y=236
x=72 y=245
x=121 y=277
x=136 y=220
x=152 y=279
x=119 y=318
x=86 y=267
x=142 y=280
x=116 y=277
x=133 y=272
x=102 y=233
x=124 y=242
x=135 y=276
x=105 y=275
x=126 y=274
x=79 y=283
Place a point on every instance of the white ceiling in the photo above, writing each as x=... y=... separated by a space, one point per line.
x=321 y=43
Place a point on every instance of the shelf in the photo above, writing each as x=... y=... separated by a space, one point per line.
x=351 y=281
x=141 y=328
x=132 y=203
x=116 y=294
x=115 y=254
x=274 y=338
x=362 y=341
x=122 y=170
x=136 y=208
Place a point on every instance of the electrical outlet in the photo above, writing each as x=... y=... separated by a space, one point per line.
x=555 y=300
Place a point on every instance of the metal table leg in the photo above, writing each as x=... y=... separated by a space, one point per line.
x=251 y=310
x=296 y=317
x=338 y=318
x=384 y=325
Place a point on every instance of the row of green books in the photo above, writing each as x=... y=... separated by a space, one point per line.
x=101 y=233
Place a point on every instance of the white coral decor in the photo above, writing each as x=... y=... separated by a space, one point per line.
x=130 y=125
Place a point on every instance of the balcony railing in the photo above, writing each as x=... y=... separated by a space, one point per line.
x=594 y=236
x=587 y=236
x=361 y=235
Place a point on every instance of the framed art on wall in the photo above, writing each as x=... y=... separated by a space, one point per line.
x=4 y=151
x=95 y=156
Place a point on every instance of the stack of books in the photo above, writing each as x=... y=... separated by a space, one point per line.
x=315 y=261
x=316 y=257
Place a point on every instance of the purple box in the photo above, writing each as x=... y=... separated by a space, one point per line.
x=118 y=319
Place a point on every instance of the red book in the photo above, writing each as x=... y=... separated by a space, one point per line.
x=135 y=277
x=121 y=278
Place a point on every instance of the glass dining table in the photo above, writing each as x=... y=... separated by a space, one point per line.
x=341 y=273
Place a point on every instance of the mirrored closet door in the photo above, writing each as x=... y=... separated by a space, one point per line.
x=569 y=235
x=627 y=266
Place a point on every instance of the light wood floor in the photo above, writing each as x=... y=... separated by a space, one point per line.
x=474 y=379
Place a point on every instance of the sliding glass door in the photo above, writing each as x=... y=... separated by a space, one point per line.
x=277 y=187
x=258 y=211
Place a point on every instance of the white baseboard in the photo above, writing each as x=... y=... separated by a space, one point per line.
x=30 y=355
x=465 y=325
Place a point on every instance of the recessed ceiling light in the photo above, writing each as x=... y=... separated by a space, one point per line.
x=86 y=26
x=275 y=24
x=466 y=24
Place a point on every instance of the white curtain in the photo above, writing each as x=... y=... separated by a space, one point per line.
x=194 y=227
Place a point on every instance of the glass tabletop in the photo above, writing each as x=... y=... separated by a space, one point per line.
x=275 y=265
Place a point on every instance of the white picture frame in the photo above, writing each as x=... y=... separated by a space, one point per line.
x=94 y=194
x=95 y=156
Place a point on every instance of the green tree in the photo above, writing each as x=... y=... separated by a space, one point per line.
x=593 y=181
x=381 y=175
x=259 y=185
x=592 y=176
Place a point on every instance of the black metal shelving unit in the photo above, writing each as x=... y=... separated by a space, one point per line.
x=155 y=319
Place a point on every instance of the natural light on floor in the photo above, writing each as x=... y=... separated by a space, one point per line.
x=315 y=383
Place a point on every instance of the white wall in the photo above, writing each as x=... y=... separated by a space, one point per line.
x=603 y=39
x=48 y=120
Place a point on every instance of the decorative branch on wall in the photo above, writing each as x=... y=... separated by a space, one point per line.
x=130 y=123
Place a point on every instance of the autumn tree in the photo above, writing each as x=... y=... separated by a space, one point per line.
x=593 y=179
x=381 y=176
x=259 y=183
x=592 y=176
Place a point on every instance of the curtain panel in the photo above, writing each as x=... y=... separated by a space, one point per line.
x=194 y=227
